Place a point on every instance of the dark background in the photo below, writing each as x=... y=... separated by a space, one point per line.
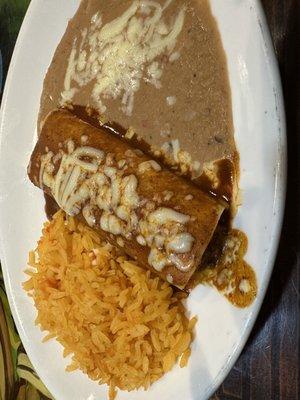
x=269 y=365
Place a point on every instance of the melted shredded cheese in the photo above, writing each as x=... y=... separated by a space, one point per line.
x=122 y=53
x=175 y=155
x=88 y=180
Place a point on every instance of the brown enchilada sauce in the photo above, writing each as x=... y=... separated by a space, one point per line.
x=224 y=267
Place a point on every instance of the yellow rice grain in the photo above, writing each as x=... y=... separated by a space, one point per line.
x=192 y=323
x=168 y=361
x=122 y=325
x=185 y=358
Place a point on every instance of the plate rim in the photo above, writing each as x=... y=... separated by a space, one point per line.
x=279 y=198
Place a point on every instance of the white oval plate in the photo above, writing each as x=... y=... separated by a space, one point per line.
x=222 y=330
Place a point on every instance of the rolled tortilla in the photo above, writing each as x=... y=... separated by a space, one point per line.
x=158 y=218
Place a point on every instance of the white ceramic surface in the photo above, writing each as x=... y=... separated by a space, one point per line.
x=260 y=134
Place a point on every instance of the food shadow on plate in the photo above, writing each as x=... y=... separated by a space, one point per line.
x=195 y=386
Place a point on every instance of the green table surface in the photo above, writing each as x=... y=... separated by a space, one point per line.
x=269 y=365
